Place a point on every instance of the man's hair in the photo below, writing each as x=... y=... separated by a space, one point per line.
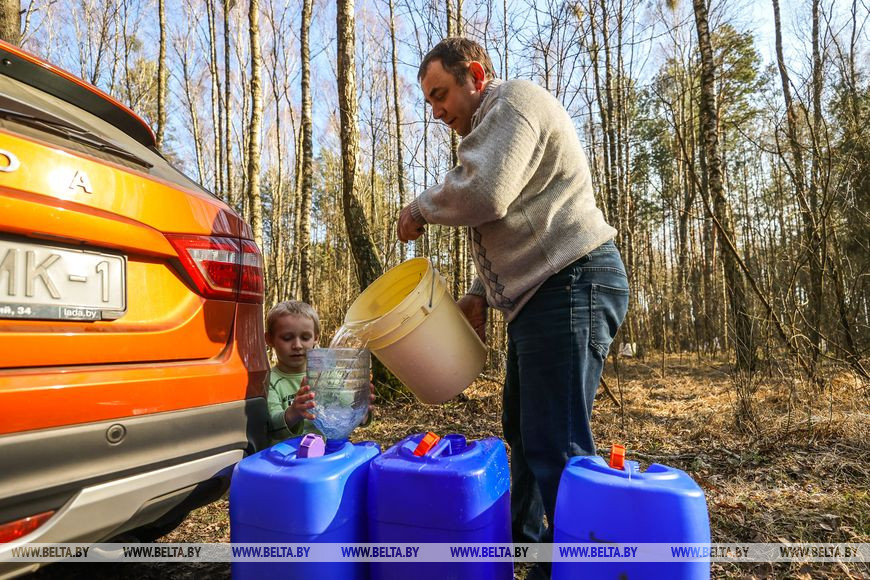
x=294 y=307
x=455 y=53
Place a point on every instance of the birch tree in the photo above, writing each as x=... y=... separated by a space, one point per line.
x=368 y=266
x=307 y=166
x=711 y=171
x=253 y=193
x=10 y=21
x=161 y=74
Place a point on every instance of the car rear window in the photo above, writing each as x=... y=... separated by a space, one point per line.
x=36 y=114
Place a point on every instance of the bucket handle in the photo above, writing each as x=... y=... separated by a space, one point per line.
x=432 y=286
x=427 y=308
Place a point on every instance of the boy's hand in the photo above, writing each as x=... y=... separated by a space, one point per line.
x=299 y=408
x=474 y=308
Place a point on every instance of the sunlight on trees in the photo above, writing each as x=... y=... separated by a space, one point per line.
x=739 y=183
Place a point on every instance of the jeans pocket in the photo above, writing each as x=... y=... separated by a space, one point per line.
x=609 y=305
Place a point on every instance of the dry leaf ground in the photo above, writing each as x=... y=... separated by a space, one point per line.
x=797 y=472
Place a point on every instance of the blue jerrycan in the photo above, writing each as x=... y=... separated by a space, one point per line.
x=606 y=507
x=448 y=491
x=300 y=491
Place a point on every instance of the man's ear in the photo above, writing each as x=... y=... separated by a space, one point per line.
x=478 y=75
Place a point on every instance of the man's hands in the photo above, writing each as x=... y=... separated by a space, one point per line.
x=299 y=408
x=474 y=308
x=408 y=228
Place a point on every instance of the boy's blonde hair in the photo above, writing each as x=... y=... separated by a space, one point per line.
x=296 y=308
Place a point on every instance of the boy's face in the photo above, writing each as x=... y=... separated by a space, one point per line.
x=292 y=336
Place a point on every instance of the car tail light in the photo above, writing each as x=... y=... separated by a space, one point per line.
x=221 y=268
x=13 y=530
x=251 y=284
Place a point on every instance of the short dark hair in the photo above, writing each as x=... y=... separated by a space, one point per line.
x=455 y=52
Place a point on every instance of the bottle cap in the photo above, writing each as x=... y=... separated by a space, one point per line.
x=426 y=443
x=311 y=446
x=617 y=456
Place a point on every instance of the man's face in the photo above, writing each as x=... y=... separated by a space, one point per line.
x=451 y=102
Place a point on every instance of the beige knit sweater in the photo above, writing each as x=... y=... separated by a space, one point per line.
x=523 y=187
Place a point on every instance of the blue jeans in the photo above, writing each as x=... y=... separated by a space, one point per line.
x=557 y=345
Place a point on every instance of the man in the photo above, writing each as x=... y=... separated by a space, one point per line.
x=544 y=256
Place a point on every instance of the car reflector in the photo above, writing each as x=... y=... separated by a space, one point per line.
x=13 y=530
x=251 y=286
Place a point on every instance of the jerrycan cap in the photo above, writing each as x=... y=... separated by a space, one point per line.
x=617 y=456
x=311 y=446
x=426 y=444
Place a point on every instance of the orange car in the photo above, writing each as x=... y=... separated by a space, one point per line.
x=132 y=360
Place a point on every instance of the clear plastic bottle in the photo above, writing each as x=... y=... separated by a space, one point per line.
x=339 y=379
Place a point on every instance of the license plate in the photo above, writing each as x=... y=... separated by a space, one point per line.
x=51 y=283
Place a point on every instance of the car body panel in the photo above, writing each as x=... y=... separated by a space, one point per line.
x=125 y=421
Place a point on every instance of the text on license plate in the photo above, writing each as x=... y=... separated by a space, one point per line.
x=45 y=282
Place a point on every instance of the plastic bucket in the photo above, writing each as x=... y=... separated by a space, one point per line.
x=408 y=320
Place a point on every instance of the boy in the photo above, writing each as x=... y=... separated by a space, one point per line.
x=292 y=329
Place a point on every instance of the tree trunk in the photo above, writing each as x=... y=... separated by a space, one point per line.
x=397 y=109
x=796 y=171
x=232 y=192
x=505 y=23
x=815 y=235
x=592 y=44
x=253 y=193
x=368 y=266
x=161 y=74
x=278 y=217
x=184 y=55
x=297 y=217
x=303 y=243
x=216 y=108
x=712 y=174
x=10 y=21
x=453 y=29
x=608 y=126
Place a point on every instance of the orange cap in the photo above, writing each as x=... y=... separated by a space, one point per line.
x=426 y=443
x=617 y=456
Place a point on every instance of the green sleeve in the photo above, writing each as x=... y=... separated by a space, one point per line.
x=281 y=392
x=276 y=412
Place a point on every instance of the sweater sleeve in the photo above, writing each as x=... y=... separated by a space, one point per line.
x=496 y=161
x=477 y=287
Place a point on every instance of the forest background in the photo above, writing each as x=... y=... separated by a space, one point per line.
x=728 y=145
x=728 y=142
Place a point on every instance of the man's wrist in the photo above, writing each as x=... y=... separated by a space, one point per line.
x=416 y=213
